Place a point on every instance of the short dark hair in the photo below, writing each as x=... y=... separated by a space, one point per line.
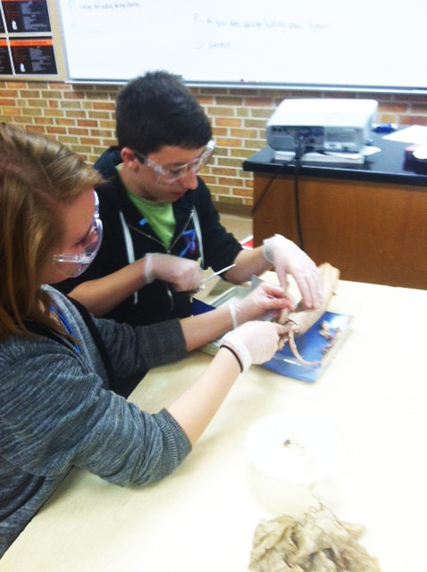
x=157 y=109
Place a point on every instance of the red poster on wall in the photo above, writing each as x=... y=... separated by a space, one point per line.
x=33 y=55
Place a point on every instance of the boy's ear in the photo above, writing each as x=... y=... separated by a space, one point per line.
x=128 y=158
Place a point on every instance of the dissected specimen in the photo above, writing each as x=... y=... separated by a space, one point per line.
x=300 y=320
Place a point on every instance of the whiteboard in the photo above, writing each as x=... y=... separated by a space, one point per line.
x=362 y=44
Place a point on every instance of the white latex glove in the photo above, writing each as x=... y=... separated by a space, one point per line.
x=255 y=342
x=183 y=274
x=266 y=300
x=288 y=258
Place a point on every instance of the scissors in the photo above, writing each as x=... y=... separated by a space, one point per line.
x=203 y=282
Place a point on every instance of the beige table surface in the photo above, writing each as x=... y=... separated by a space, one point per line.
x=202 y=518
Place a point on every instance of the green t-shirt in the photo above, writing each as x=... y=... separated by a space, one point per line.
x=159 y=215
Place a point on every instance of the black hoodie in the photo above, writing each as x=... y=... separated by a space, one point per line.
x=198 y=235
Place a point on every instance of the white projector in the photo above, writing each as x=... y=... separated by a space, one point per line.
x=341 y=125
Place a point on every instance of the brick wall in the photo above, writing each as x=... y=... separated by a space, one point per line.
x=82 y=117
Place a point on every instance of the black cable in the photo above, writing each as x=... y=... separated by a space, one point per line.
x=300 y=150
x=297 y=205
x=267 y=188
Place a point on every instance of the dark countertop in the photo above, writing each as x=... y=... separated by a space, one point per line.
x=387 y=166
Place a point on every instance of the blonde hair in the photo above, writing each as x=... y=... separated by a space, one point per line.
x=37 y=174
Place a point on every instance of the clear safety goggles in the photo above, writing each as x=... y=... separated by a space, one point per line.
x=170 y=176
x=75 y=264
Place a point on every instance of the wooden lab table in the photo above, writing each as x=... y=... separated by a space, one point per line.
x=202 y=518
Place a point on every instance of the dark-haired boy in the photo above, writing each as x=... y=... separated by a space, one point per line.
x=160 y=225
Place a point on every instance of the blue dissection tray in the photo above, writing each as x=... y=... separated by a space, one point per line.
x=312 y=346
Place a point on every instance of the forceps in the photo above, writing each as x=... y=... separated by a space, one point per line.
x=203 y=282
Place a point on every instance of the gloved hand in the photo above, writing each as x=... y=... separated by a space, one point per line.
x=288 y=258
x=255 y=342
x=183 y=274
x=265 y=300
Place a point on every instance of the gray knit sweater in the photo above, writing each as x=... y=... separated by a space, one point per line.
x=56 y=412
